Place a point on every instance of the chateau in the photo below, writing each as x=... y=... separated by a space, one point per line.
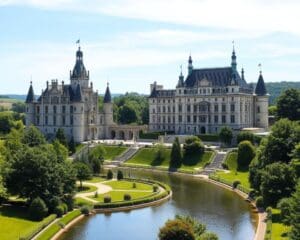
x=74 y=107
x=208 y=99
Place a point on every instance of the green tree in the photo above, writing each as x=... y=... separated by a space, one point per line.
x=176 y=156
x=226 y=135
x=18 y=107
x=245 y=135
x=208 y=236
x=128 y=114
x=120 y=175
x=176 y=230
x=198 y=228
x=38 y=209
x=96 y=158
x=6 y=122
x=295 y=214
x=61 y=151
x=285 y=206
x=193 y=145
x=288 y=104
x=72 y=145
x=159 y=155
x=246 y=153
x=272 y=110
x=33 y=137
x=61 y=137
x=278 y=181
x=83 y=172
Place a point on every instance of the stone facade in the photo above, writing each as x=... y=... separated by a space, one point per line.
x=208 y=99
x=74 y=108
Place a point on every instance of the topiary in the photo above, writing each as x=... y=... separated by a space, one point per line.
x=127 y=197
x=85 y=210
x=134 y=185
x=107 y=199
x=59 y=211
x=38 y=209
x=236 y=183
x=120 y=175
x=259 y=202
x=110 y=174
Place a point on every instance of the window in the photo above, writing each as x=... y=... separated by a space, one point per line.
x=258 y=109
x=195 y=119
x=46 y=109
x=169 y=119
x=188 y=119
x=71 y=120
x=216 y=108
x=180 y=118
x=232 y=119
x=164 y=119
x=164 y=109
x=169 y=109
x=188 y=108
x=38 y=120
x=46 y=120
x=223 y=108
x=173 y=108
x=63 y=120
x=63 y=109
x=38 y=109
x=158 y=109
x=54 y=109
x=223 y=119
x=195 y=108
x=153 y=110
x=54 y=120
x=179 y=108
x=71 y=109
x=202 y=119
x=216 y=118
x=232 y=107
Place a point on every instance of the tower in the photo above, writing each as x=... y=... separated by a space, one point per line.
x=190 y=65
x=261 y=103
x=180 y=79
x=30 y=107
x=108 y=110
x=79 y=75
x=233 y=60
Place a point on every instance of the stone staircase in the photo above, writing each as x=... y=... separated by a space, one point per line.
x=215 y=164
x=125 y=156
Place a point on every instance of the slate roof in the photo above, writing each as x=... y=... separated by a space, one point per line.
x=30 y=95
x=260 y=88
x=79 y=70
x=217 y=77
x=162 y=93
x=107 y=95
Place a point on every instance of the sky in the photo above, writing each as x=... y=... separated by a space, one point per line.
x=132 y=43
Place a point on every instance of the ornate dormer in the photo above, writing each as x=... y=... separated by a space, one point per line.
x=79 y=74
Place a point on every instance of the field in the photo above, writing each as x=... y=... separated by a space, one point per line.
x=6 y=103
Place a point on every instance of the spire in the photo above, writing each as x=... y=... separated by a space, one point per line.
x=243 y=74
x=233 y=58
x=260 y=88
x=181 y=78
x=107 y=96
x=190 y=65
x=79 y=71
x=30 y=95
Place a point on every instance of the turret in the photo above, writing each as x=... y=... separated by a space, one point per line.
x=233 y=60
x=180 y=79
x=30 y=108
x=190 y=65
x=108 y=107
x=261 y=103
x=79 y=74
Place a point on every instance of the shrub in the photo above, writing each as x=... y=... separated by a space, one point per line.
x=127 y=197
x=245 y=135
x=225 y=166
x=85 y=210
x=96 y=195
x=155 y=188
x=176 y=229
x=38 y=209
x=134 y=185
x=65 y=207
x=236 y=183
x=226 y=135
x=53 y=203
x=69 y=200
x=59 y=210
x=193 y=145
x=109 y=175
x=269 y=213
x=259 y=202
x=176 y=156
x=107 y=199
x=246 y=153
x=120 y=175
x=285 y=206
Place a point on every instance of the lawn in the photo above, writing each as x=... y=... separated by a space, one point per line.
x=147 y=157
x=15 y=222
x=127 y=185
x=96 y=180
x=54 y=228
x=234 y=173
x=117 y=196
x=82 y=202
x=113 y=151
x=279 y=230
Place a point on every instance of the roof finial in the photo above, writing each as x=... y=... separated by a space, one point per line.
x=260 y=68
x=78 y=42
x=181 y=69
x=233 y=50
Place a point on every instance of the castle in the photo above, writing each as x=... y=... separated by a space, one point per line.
x=74 y=107
x=208 y=99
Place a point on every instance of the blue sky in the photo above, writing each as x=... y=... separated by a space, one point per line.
x=132 y=43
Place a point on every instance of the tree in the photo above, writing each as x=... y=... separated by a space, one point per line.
x=193 y=145
x=159 y=155
x=83 y=172
x=245 y=135
x=285 y=206
x=120 y=175
x=208 y=236
x=278 y=181
x=18 y=107
x=61 y=151
x=246 y=153
x=176 y=156
x=226 y=135
x=38 y=209
x=33 y=137
x=96 y=158
x=72 y=145
x=176 y=230
x=128 y=114
x=295 y=214
x=198 y=228
x=6 y=122
x=61 y=137
x=109 y=175
x=272 y=110
x=288 y=104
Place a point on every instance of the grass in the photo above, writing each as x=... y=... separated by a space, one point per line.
x=279 y=230
x=15 y=222
x=113 y=151
x=126 y=185
x=54 y=228
x=117 y=196
x=234 y=173
x=96 y=180
x=147 y=157
x=81 y=202
x=86 y=189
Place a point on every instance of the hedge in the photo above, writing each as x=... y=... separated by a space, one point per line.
x=153 y=135
x=209 y=137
